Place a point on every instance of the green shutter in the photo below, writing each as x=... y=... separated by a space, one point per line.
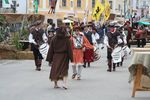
x=6 y=1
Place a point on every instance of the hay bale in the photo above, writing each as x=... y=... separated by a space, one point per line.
x=7 y=54
x=25 y=55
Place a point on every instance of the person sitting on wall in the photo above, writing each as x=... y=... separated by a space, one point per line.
x=52 y=6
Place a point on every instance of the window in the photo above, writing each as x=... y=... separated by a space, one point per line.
x=93 y=3
x=144 y=3
x=119 y=7
x=111 y=6
x=0 y=3
x=78 y=3
x=64 y=3
x=71 y=3
x=137 y=4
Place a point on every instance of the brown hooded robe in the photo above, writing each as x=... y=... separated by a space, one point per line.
x=59 y=54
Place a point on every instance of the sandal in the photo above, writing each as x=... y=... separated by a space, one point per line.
x=65 y=87
x=73 y=76
x=56 y=87
x=78 y=78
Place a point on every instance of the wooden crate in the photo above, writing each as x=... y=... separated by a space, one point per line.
x=137 y=86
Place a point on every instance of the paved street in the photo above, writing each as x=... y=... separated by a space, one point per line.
x=19 y=81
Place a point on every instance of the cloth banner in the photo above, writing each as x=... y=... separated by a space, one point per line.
x=107 y=10
x=44 y=50
x=98 y=10
x=126 y=51
x=117 y=55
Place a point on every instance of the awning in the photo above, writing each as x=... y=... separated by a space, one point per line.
x=67 y=21
x=144 y=23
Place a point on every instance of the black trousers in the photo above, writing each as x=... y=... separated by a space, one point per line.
x=37 y=56
x=36 y=52
x=141 y=42
x=109 y=59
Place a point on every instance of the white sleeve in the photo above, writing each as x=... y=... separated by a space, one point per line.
x=93 y=39
x=97 y=36
x=31 y=40
x=124 y=38
x=106 y=41
x=45 y=39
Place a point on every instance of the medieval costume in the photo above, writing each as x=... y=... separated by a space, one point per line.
x=121 y=38
x=59 y=54
x=141 y=36
x=50 y=35
x=36 y=38
x=129 y=33
x=111 y=41
x=88 y=53
x=79 y=43
x=95 y=38
x=52 y=6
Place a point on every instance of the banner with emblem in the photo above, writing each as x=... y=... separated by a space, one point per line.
x=98 y=10
x=107 y=10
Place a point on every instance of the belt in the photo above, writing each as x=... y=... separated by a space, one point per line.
x=61 y=52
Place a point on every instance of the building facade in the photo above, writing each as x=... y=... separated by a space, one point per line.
x=130 y=8
x=13 y=6
x=117 y=7
x=81 y=8
x=77 y=8
x=64 y=8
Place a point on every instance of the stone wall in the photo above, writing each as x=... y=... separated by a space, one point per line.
x=9 y=52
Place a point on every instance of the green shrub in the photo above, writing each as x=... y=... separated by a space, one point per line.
x=16 y=41
x=25 y=34
x=2 y=35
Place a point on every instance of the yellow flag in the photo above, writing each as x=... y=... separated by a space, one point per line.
x=98 y=10
x=107 y=10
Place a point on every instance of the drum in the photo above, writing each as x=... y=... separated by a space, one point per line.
x=126 y=51
x=44 y=50
x=96 y=55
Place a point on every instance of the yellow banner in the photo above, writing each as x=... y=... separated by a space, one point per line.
x=98 y=10
x=107 y=10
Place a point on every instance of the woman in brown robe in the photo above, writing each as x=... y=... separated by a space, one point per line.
x=59 y=54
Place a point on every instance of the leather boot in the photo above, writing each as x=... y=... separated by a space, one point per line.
x=118 y=64
x=36 y=64
x=114 y=66
x=88 y=64
x=121 y=63
x=84 y=65
x=39 y=62
x=109 y=65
